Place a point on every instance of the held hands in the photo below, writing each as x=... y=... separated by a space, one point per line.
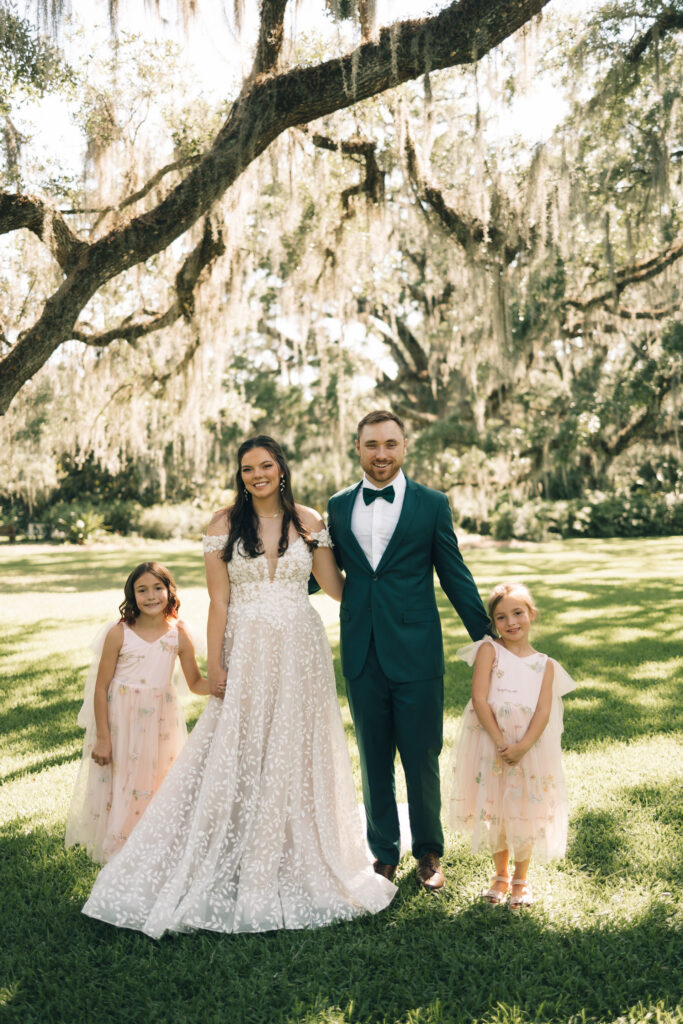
x=511 y=753
x=217 y=684
x=101 y=752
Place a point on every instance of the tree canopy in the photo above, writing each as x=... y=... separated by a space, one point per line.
x=356 y=216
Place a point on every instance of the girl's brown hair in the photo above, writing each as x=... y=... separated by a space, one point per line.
x=504 y=590
x=128 y=608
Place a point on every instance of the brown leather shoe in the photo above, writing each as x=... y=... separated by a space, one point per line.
x=429 y=873
x=388 y=870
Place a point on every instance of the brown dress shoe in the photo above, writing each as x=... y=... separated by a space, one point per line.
x=429 y=873
x=388 y=870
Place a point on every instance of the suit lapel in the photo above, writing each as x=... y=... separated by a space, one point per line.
x=410 y=505
x=350 y=537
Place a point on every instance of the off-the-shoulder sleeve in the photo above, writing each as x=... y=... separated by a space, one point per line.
x=469 y=652
x=562 y=681
x=323 y=537
x=215 y=543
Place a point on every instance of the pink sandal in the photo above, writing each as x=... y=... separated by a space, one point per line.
x=525 y=898
x=493 y=896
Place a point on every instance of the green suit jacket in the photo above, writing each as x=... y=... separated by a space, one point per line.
x=395 y=603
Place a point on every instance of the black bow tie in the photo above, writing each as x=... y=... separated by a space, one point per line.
x=369 y=494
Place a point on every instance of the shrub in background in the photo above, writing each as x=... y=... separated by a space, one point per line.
x=73 y=521
x=173 y=522
x=122 y=516
x=621 y=514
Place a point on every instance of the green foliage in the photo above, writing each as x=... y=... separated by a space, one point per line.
x=75 y=522
x=625 y=514
x=636 y=513
x=27 y=60
x=84 y=477
x=122 y=516
x=194 y=126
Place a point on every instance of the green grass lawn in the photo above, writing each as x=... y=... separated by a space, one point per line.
x=603 y=940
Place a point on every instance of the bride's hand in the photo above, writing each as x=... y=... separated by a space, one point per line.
x=217 y=685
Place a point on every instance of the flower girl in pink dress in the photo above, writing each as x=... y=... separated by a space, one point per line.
x=134 y=725
x=508 y=789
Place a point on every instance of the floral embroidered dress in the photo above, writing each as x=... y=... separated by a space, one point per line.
x=523 y=807
x=148 y=732
x=257 y=826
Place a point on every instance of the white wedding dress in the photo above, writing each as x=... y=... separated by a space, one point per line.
x=256 y=826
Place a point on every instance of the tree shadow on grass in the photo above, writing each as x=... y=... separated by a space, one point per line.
x=38 y=709
x=622 y=840
x=665 y=802
x=599 y=842
x=461 y=961
x=12 y=635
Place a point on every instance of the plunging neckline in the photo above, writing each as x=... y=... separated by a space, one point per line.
x=278 y=559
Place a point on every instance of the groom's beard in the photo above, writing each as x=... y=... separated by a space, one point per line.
x=382 y=475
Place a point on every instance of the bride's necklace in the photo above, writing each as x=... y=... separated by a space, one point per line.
x=271 y=515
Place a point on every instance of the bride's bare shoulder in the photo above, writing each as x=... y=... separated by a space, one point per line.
x=219 y=523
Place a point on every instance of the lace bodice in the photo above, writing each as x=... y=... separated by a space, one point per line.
x=251 y=579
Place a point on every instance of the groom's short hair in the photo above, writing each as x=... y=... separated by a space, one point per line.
x=380 y=416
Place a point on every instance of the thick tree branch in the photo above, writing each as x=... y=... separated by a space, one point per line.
x=271 y=36
x=645 y=314
x=470 y=233
x=668 y=21
x=31 y=212
x=372 y=184
x=392 y=327
x=460 y=34
x=635 y=273
x=209 y=249
x=129 y=330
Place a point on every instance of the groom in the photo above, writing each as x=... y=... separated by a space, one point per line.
x=390 y=533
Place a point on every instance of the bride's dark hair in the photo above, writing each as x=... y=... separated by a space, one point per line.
x=242 y=517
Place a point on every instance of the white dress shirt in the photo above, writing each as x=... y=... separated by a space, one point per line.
x=373 y=525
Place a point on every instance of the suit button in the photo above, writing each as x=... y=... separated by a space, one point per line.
x=374 y=578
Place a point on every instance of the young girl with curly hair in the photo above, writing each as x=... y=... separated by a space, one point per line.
x=133 y=720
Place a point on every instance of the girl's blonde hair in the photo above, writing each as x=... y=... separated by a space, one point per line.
x=504 y=590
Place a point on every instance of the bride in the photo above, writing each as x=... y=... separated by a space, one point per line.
x=256 y=826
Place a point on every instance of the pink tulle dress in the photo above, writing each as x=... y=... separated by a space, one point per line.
x=148 y=731
x=521 y=808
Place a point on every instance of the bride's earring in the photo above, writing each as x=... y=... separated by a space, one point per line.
x=246 y=494
x=282 y=485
